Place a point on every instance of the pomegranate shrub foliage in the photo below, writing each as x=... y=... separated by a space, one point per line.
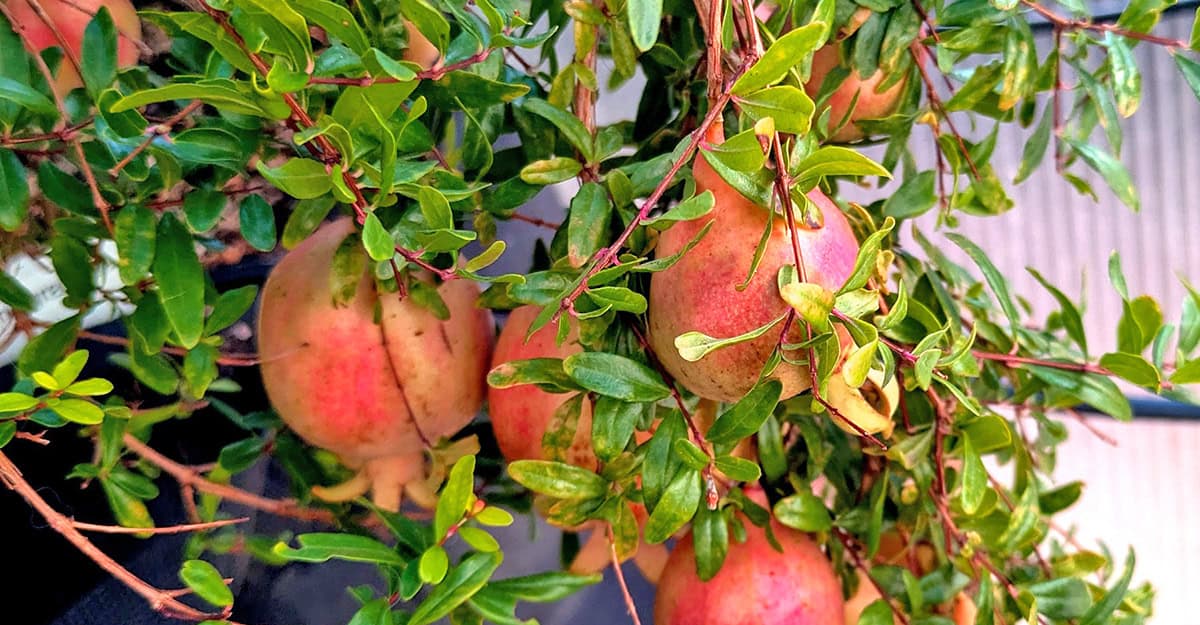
x=725 y=356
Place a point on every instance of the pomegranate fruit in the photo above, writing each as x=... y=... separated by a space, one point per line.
x=70 y=18
x=699 y=292
x=420 y=49
x=871 y=103
x=757 y=585
x=373 y=380
x=521 y=414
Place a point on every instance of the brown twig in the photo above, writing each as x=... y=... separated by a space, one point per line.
x=852 y=547
x=187 y=476
x=551 y=225
x=433 y=73
x=173 y=529
x=153 y=132
x=935 y=101
x=230 y=360
x=616 y=564
x=1074 y=24
x=160 y=601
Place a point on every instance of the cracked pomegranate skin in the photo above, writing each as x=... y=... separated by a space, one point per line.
x=360 y=388
x=756 y=586
x=699 y=292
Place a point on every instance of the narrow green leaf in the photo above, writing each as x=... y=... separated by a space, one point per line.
x=693 y=346
x=15 y=294
x=710 y=539
x=136 y=242
x=460 y=584
x=974 y=478
x=992 y=276
x=675 y=508
x=98 y=66
x=322 y=547
x=180 y=280
x=692 y=208
x=913 y=198
x=864 y=264
x=15 y=188
x=587 y=223
x=551 y=170
x=376 y=240
x=1132 y=367
x=747 y=415
x=567 y=124
x=1111 y=169
x=1103 y=609
x=613 y=423
x=789 y=107
x=230 y=307
x=785 y=53
x=616 y=376
x=557 y=479
x=456 y=496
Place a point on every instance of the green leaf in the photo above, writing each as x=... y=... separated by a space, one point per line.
x=301 y=178
x=73 y=264
x=864 y=264
x=205 y=580
x=1068 y=313
x=547 y=373
x=618 y=298
x=1187 y=373
x=1095 y=390
x=1020 y=64
x=128 y=510
x=43 y=351
x=782 y=56
x=462 y=582
x=557 y=479
x=569 y=125
x=693 y=346
x=803 y=511
x=221 y=93
x=747 y=415
x=26 y=97
x=833 y=160
x=1061 y=599
x=738 y=469
x=616 y=376
x=180 y=280
x=1140 y=320
x=710 y=539
x=335 y=20
x=15 y=294
x=913 y=198
x=1103 y=609
x=257 y=220
x=230 y=307
x=992 y=276
x=136 y=242
x=479 y=539
x=99 y=66
x=675 y=508
x=771 y=455
x=1126 y=79
x=692 y=208
x=79 y=411
x=587 y=223
x=551 y=170
x=645 y=17
x=15 y=188
x=1133 y=368
x=456 y=496
x=544 y=587
x=8 y=430
x=1111 y=169
x=433 y=565
x=878 y=612
x=323 y=547
x=613 y=423
x=67 y=371
x=202 y=208
x=1035 y=148
x=495 y=517
x=974 y=478
x=789 y=107
x=16 y=402
x=376 y=240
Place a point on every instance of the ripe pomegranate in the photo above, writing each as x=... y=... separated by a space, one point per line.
x=871 y=104
x=70 y=18
x=699 y=292
x=757 y=585
x=521 y=414
x=373 y=380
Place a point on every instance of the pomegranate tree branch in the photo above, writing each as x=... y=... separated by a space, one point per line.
x=616 y=564
x=606 y=256
x=852 y=547
x=935 y=101
x=187 y=476
x=1067 y=23
x=159 y=600
x=152 y=133
x=433 y=73
x=173 y=529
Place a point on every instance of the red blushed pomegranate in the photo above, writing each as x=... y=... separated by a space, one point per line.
x=757 y=585
x=521 y=414
x=70 y=18
x=699 y=292
x=871 y=103
x=373 y=380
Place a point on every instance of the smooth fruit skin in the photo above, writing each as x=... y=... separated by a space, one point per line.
x=699 y=292
x=520 y=415
x=871 y=104
x=420 y=49
x=756 y=585
x=70 y=18
x=373 y=393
